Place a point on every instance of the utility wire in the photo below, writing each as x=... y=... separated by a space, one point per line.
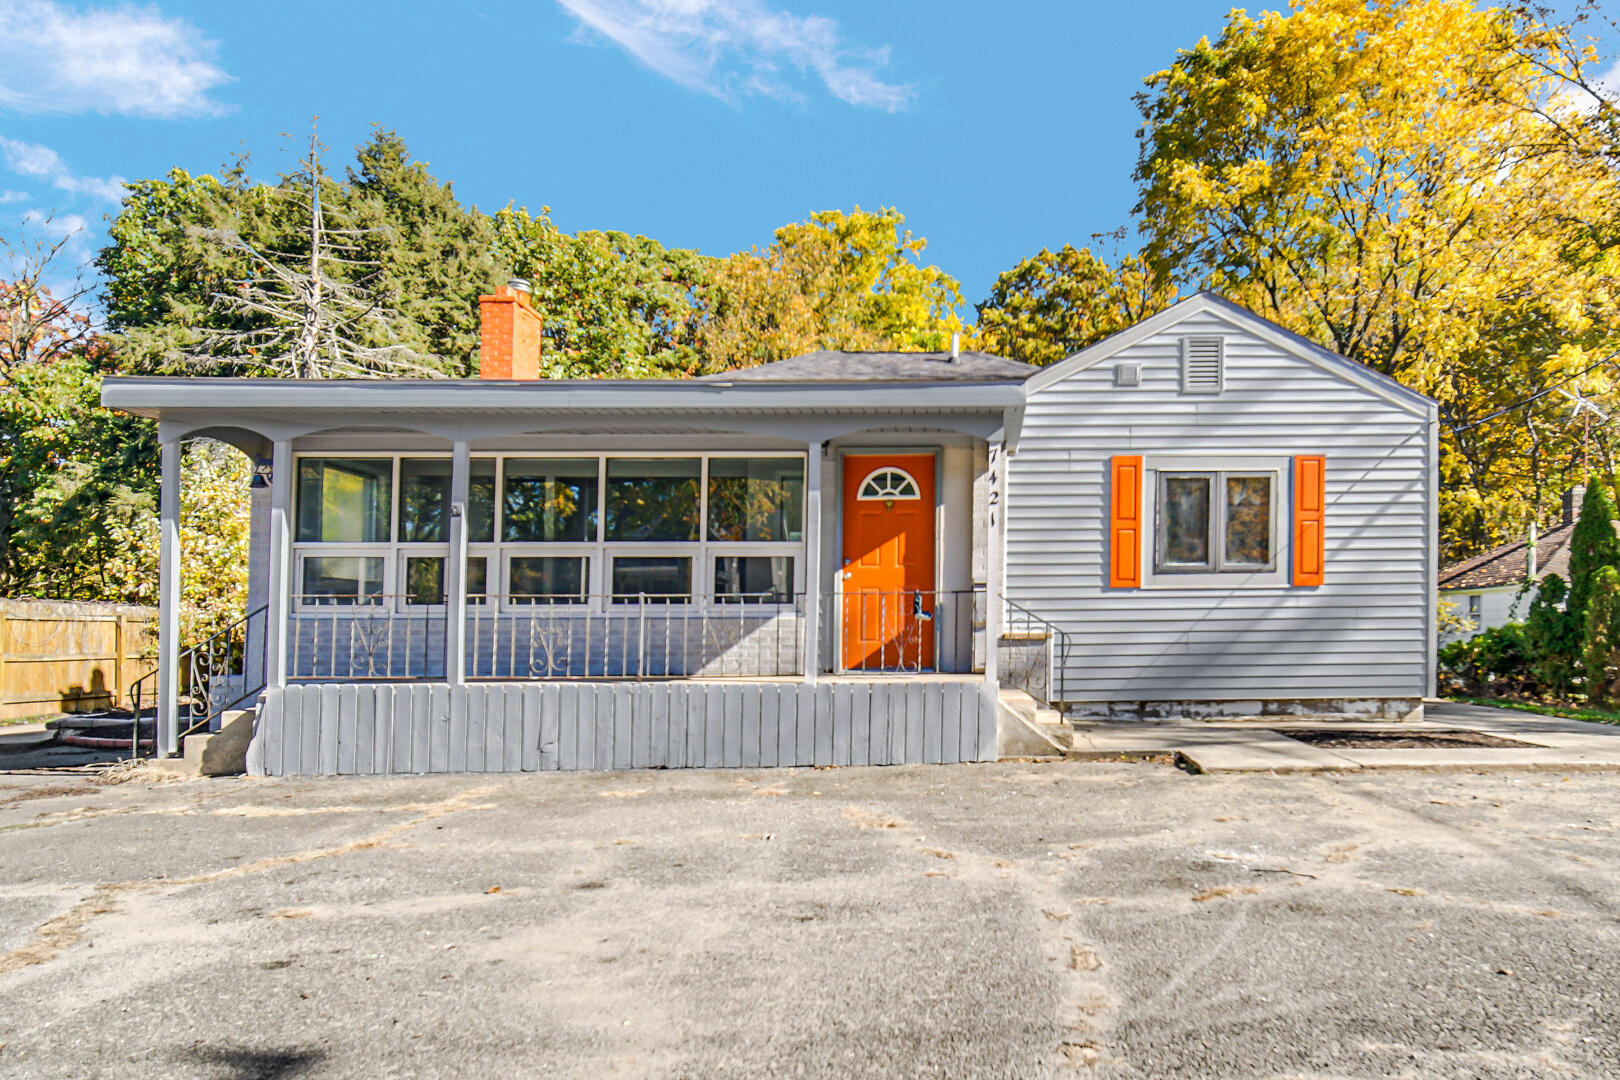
x=1504 y=410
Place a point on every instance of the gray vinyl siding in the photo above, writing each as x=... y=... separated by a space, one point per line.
x=1365 y=633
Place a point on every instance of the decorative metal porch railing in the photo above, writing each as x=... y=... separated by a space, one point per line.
x=217 y=674
x=907 y=630
x=634 y=637
x=369 y=637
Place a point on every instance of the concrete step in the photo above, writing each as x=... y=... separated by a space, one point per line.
x=215 y=753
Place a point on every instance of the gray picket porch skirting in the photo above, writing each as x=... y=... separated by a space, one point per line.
x=375 y=728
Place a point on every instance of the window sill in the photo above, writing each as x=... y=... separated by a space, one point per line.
x=1256 y=579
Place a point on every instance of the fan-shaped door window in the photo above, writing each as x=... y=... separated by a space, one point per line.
x=888 y=484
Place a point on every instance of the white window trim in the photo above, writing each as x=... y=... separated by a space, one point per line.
x=1275 y=576
x=599 y=550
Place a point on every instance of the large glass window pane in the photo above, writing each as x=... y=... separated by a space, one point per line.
x=756 y=499
x=343 y=579
x=658 y=577
x=548 y=499
x=424 y=500
x=753 y=579
x=652 y=498
x=345 y=499
x=1248 y=520
x=543 y=579
x=481 y=501
x=1184 y=521
x=424 y=580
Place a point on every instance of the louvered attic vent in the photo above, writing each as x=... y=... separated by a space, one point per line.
x=1203 y=364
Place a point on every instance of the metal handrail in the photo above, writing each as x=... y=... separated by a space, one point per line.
x=1057 y=650
x=206 y=671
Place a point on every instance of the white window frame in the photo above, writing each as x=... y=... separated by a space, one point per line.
x=598 y=549
x=1273 y=575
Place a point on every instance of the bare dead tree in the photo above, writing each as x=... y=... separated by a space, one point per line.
x=313 y=316
x=38 y=324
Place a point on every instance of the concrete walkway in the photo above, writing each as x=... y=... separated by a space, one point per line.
x=1263 y=746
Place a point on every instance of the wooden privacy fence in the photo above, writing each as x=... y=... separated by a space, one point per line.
x=62 y=656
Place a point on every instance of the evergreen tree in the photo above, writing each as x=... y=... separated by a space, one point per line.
x=1601 y=639
x=1592 y=547
x=1552 y=637
x=435 y=256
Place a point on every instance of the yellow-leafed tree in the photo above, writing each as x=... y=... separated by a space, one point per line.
x=837 y=281
x=1412 y=184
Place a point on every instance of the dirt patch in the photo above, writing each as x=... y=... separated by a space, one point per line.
x=1401 y=740
x=25 y=794
x=865 y=819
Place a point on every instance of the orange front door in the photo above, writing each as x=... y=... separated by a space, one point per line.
x=888 y=571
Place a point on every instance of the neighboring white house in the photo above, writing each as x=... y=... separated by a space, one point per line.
x=1496 y=587
x=836 y=559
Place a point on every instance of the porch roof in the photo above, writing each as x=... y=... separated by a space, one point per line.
x=164 y=398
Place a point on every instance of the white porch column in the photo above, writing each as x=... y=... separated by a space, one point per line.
x=995 y=557
x=280 y=586
x=168 y=703
x=455 y=570
x=812 y=562
x=255 y=651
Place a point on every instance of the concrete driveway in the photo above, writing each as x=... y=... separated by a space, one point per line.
x=962 y=921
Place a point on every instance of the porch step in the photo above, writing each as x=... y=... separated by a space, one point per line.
x=217 y=753
x=1027 y=728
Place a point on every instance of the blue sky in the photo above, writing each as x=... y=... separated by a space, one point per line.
x=703 y=123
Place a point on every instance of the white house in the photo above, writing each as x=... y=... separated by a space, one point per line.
x=1496 y=587
x=840 y=558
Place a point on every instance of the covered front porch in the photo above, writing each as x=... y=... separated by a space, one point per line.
x=554 y=575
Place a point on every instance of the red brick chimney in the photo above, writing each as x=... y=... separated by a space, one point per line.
x=509 y=339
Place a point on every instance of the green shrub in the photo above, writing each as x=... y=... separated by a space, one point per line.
x=1494 y=663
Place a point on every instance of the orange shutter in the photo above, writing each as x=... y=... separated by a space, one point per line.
x=1310 y=507
x=1125 y=523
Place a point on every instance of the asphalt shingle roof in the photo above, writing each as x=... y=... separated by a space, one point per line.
x=1509 y=564
x=827 y=365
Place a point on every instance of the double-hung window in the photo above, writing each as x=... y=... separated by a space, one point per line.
x=1215 y=522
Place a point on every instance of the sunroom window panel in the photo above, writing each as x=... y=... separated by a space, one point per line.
x=343 y=579
x=655 y=577
x=652 y=499
x=1248 y=521
x=1184 y=521
x=547 y=579
x=424 y=580
x=424 y=500
x=753 y=579
x=345 y=500
x=756 y=499
x=549 y=500
x=481 y=501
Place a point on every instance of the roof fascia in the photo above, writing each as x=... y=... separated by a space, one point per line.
x=152 y=396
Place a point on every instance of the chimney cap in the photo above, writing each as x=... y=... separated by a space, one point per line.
x=520 y=284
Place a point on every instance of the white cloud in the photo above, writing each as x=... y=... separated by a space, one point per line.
x=738 y=47
x=8 y=196
x=121 y=60
x=57 y=226
x=41 y=162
